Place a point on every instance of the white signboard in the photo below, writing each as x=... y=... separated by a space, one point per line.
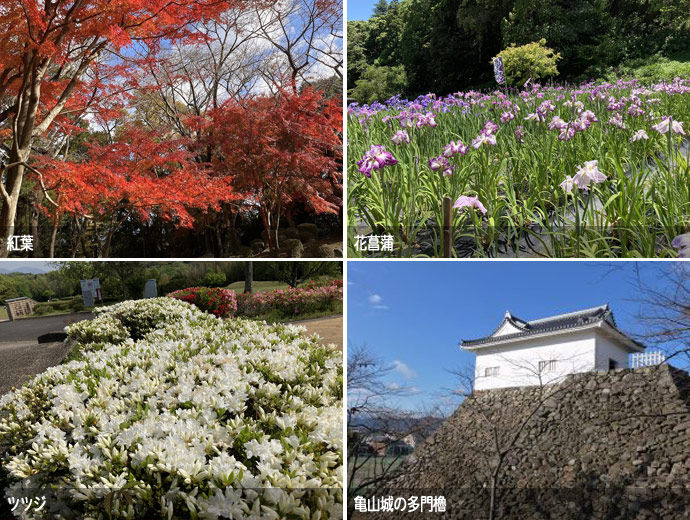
x=91 y=291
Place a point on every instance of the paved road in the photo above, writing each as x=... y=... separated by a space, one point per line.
x=22 y=360
x=330 y=329
x=29 y=329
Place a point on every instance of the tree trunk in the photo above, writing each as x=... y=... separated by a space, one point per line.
x=35 y=214
x=53 y=235
x=12 y=184
x=234 y=238
x=248 y=276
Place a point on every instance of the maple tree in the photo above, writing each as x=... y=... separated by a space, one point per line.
x=278 y=150
x=61 y=57
x=139 y=175
x=136 y=118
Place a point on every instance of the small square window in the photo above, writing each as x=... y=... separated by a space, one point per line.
x=547 y=366
x=491 y=371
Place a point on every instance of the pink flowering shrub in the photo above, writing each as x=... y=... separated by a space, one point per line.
x=214 y=300
x=292 y=301
x=312 y=284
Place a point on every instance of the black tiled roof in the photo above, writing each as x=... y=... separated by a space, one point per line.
x=571 y=320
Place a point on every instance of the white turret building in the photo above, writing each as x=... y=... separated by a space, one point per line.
x=528 y=353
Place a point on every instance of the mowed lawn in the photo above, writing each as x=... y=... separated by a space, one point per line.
x=238 y=287
x=3 y=313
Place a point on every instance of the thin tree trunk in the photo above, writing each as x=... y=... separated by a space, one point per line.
x=53 y=235
x=35 y=216
x=248 y=276
x=10 y=199
x=234 y=238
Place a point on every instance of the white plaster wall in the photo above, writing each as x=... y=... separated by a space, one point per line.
x=519 y=362
x=608 y=348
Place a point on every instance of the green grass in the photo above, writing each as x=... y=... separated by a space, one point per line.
x=275 y=316
x=238 y=287
x=3 y=313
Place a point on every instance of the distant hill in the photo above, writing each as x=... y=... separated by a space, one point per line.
x=26 y=269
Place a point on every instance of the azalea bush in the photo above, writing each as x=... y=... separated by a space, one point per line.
x=596 y=170
x=196 y=418
x=215 y=300
x=326 y=282
x=292 y=302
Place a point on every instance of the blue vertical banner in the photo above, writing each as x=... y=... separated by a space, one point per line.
x=498 y=71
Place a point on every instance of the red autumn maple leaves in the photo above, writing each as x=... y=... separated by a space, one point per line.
x=265 y=153
x=279 y=150
x=71 y=67
x=140 y=173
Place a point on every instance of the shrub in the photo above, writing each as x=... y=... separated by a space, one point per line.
x=42 y=308
x=534 y=60
x=76 y=305
x=291 y=302
x=198 y=418
x=293 y=247
x=325 y=282
x=93 y=334
x=654 y=68
x=216 y=301
x=213 y=279
x=70 y=304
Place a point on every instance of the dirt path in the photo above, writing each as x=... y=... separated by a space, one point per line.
x=330 y=329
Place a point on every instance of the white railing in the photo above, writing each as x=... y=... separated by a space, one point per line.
x=646 y=359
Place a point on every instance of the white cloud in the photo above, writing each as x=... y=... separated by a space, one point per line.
x=376 y=302
x=403 y=369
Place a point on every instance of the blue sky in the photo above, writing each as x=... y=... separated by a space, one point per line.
x=412 y=315
x=360 y=9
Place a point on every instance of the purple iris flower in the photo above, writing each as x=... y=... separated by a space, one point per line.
x=520 y=133
x=490 y=128
x=483 y=138
x=557 y=123
x=617 y=121
x=454 y=148
x=589 y=116
x=375 y=159
x=581 y=124
x=400 y=137
x=437 y=163
x=682 y=244
x=469 y=202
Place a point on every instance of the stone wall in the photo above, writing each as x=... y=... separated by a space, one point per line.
x=613 y=445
